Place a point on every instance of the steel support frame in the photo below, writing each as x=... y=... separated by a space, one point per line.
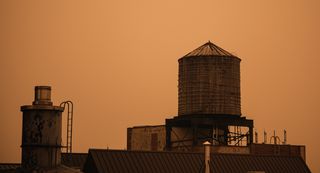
x=196 y=122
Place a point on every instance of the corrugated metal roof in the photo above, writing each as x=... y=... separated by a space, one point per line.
x=209 y=49
x=104 y=161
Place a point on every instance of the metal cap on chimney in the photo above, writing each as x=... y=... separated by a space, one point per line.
x=42 y=95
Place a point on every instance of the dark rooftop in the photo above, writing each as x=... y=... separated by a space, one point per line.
x=103 y=161
x=73 y=160
x=8 y=167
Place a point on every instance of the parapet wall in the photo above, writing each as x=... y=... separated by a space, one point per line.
x=153 y=138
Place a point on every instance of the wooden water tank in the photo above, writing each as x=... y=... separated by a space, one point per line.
x=209 y=82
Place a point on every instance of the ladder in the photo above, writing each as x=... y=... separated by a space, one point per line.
x=69 y=105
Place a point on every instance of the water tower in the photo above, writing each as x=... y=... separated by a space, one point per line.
x=209 y=102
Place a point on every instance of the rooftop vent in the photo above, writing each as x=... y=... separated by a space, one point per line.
x=42 y=95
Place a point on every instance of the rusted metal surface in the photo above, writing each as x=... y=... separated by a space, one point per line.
x=41 y=132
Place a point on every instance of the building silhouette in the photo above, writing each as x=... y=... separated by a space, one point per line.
x=209 y=110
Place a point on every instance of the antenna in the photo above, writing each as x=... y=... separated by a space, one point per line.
x=256 y=136
x=275 y=138
x=284 y=136
x=264 y=137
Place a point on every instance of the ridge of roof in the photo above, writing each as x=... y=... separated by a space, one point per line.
x=209 y=49
x=184 y=152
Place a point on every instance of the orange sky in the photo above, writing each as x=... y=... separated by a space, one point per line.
x=117 y=61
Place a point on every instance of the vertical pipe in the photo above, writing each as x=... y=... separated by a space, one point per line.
x=168 y=135
x=251 y=134
x=275 y=139
x=284 y=136
x=207 y=146
x=256 y=136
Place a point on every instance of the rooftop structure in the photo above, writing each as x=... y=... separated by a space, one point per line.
x=209 y=82
x=42 y=134
x=209 y=114
x=209 y=104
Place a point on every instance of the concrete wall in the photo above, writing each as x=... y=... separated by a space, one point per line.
x=150 y=138
x=283 y=150
x=143 y=138
x=224 y=149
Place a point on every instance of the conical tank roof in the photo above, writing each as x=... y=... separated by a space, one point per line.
x=209 y=49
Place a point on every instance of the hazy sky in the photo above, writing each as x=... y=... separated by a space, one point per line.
x=117 y=61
